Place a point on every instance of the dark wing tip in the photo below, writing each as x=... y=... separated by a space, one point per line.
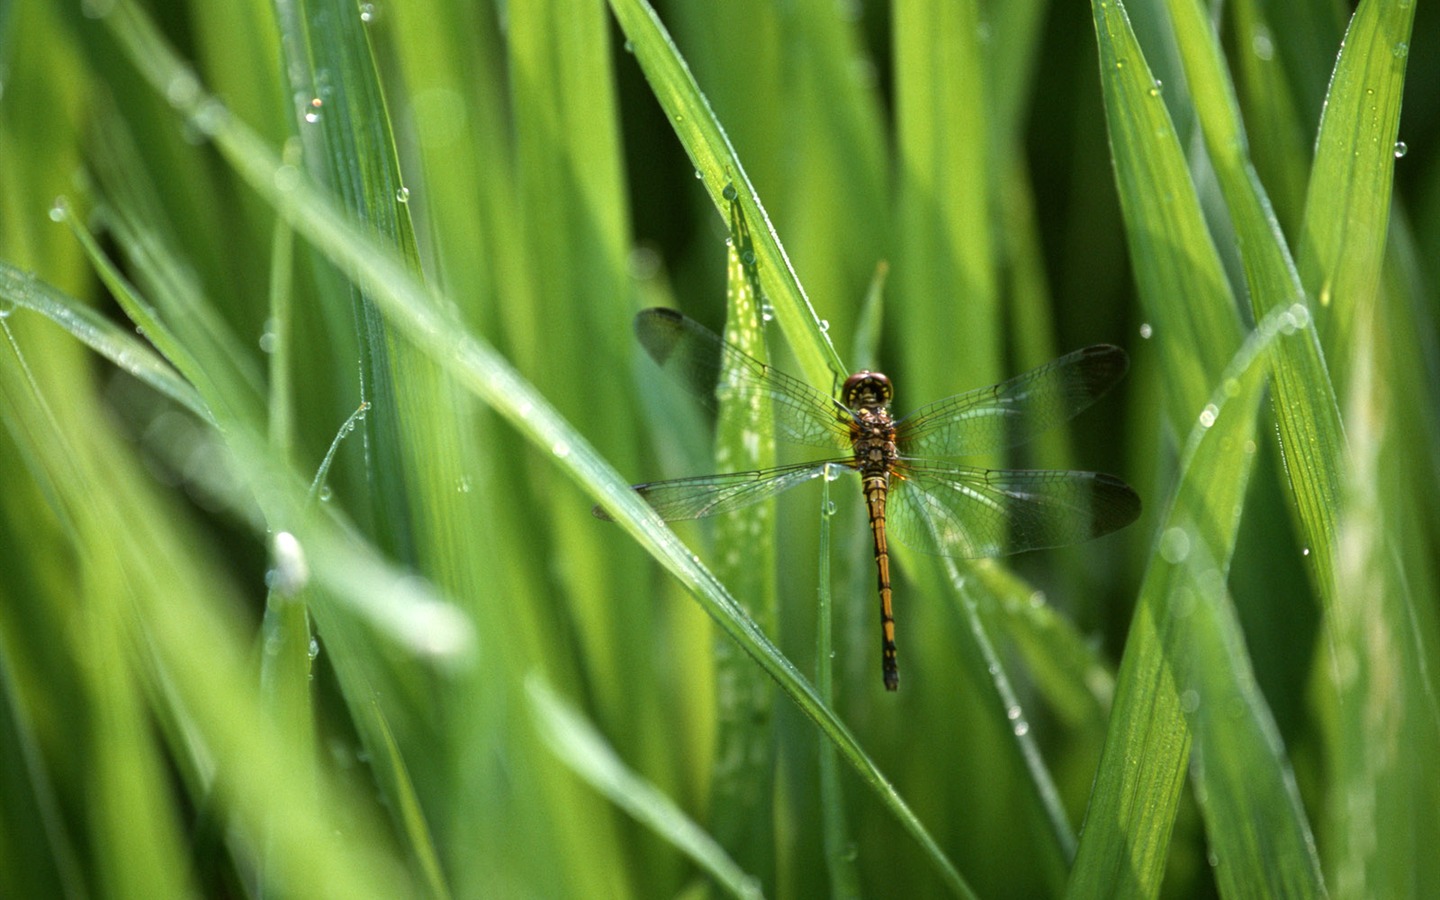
x=1105 y=365
x=659 y=329
x=1114 y=503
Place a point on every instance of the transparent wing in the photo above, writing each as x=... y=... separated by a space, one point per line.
x=1013 y=411
x=707 y=365
x=709 y=495
x=970 y=512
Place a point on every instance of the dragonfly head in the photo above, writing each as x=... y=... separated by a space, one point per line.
x=866 y=389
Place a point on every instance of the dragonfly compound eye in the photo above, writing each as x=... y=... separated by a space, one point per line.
x=866 y=389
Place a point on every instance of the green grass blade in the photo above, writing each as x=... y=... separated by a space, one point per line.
x=1383 y=738
x=116 y=344
x=585 y=752
x=718 y=165
x=1186 y=297
x=944 y=282
x=1188 y=301
x=1347 y=208
x=1257 y=829
x=478 y=369
x=742 y=784
x=838 y=841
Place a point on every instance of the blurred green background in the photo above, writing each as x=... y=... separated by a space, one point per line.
x=318 y=353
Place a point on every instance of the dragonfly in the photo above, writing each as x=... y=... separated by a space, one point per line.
x=914 y=488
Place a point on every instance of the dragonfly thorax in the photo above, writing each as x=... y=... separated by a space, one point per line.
x=866 y=390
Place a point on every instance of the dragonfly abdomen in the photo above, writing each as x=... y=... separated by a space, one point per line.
x=876 y=489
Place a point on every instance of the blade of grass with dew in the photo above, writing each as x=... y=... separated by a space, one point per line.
x=582 y=749
x=838 y=842
x=1280 y=144
x=1304 y=399
x=148 y=248
x=373 y=589
x=705 y=142
x=1138 y=795
x=1067 y=669
x=420 y=432
x=495 y=104
x=576 y=230
x=485 y=374
x=1386 y=728
x=102 y=335
x=1347 y=207
x=743 y=780
x=1187 y=299
x=140 y=589
x=1341 y=246
x=1260 y=841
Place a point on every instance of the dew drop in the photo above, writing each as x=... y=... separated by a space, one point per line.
x=1146 y=331
x=1400 y=50
x=729 y=193
x=402 y=195
x=824 y=326
x=1022 y=728
x=314 y=649
x=1401 y=149
x=312 y=115
x=1208 y=415
x=1013 y=712
x=560 y=449
x=1305 y=551
x=1263 y=45
x=287 y=178
x=1157 y=88
x=60 y=210
x=326 y=493
x=368 y=13
x=1174 y=545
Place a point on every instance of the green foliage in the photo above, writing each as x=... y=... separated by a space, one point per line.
x=312 y=374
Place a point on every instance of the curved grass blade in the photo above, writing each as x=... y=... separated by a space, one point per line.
x=743 y=774
x=116 y=344
x=725 y=180
x=413 y=309
x=578 y=745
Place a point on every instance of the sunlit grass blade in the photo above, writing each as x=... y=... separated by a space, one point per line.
x=413 y=310
x=945 y=281
x=1385 y=735
x=157 y=632
x=1189 y=303
x=1137 y=791
x=743 y=779
x=837 y=839
x=718 y=165
x=582 y=748
x=1310 y=429
x=1347 y=208
x=1183 y=289
x=102 y=335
